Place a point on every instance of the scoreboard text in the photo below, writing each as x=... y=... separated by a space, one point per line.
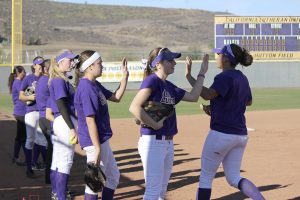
x=265 y=37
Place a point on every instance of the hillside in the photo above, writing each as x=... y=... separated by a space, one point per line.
x=121 y=29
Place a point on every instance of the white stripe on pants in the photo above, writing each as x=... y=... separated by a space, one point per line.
x=63 y=151
x=33 y=131
x=157 y=157
x=108 y=165
x=226 y=148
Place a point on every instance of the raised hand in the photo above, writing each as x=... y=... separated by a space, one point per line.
x=124 y=68
x=204 y=65
x=188 y=66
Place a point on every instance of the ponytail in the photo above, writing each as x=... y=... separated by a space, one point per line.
x=242 y=55
x=17 y=70
x=11 y=79
x=152 y=55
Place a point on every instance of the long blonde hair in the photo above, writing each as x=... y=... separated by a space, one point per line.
x=54 y=71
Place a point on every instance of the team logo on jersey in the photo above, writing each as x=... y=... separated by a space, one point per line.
x=102 y=98
x=167 y=98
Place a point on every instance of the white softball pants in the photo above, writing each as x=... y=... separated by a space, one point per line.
x=108 y=165
x=227 y=149
x=157 y=158
x=33 y=131
x=63 y=151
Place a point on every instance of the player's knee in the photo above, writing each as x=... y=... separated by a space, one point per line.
x=205 y=180
x=29 y=144
x=233 y=180
x=113 y=181
x=151 y=194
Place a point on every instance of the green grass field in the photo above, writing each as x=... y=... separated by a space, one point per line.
x=263 y=99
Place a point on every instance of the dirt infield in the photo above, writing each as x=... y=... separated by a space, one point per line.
x=271 y=160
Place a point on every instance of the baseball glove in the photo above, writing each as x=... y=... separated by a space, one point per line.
x=156 y=111
x=94 y=177
x=206 y=109
x=29 y=91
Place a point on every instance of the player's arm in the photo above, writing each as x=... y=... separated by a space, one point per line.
x=24 y=98
x=138 y=112
x=118 y=94
x=208 y=93
x=63 y=109
x=194 y=94
x=188 y=70
x=93 y=132
x=49 y=114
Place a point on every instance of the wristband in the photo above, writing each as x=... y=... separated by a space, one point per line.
x=202 y=75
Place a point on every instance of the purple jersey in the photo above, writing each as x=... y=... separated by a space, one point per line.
x=59 y=88
x=90 y=100
x=227 y=110
x=29 y=81
x=19 y=106
x=42 y=94
x=167 y=93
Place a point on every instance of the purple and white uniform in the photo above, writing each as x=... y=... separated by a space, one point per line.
x=156 y=147
x=29 y=81
x=19 y=113
x=234 y=86
x=228 y=128
x=167 y=93
x=19 y=106
x=34 y=133
x=91 y=100
x=63 y=151
x=42 y=95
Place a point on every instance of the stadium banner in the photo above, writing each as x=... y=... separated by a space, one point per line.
x=112 y=72
x=267 y=38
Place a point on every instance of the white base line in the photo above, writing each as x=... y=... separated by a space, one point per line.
x=36 y=187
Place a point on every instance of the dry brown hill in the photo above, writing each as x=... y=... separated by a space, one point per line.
x=121 y=29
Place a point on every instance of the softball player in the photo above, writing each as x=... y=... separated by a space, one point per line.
x=14 y=84
x=34 y=134
x=94 y=130
x=229 y=95
x=42 y=95
x=64 y=124
x=156 y=144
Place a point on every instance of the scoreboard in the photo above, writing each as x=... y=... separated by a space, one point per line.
x=267 y=38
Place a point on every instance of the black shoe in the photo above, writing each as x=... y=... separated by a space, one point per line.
x=18 y=162
x=54 y=196
x=30 y=174
x=38 y=167
x=71 y=193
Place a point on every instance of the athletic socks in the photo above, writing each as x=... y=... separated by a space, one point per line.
x=43 y=150
x=249 y=189
x=203 y=193
x=36 y=153
x=107 y=193
x=61 y=183
x=37 y=150
x=28 y=157
x=91 y=197
x=53 y=180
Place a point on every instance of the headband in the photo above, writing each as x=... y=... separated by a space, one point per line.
x=89 y=61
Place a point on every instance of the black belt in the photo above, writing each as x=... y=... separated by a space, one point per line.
x=161 y=137
x=167 y=137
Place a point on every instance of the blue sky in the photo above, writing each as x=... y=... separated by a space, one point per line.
x=238 y=7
